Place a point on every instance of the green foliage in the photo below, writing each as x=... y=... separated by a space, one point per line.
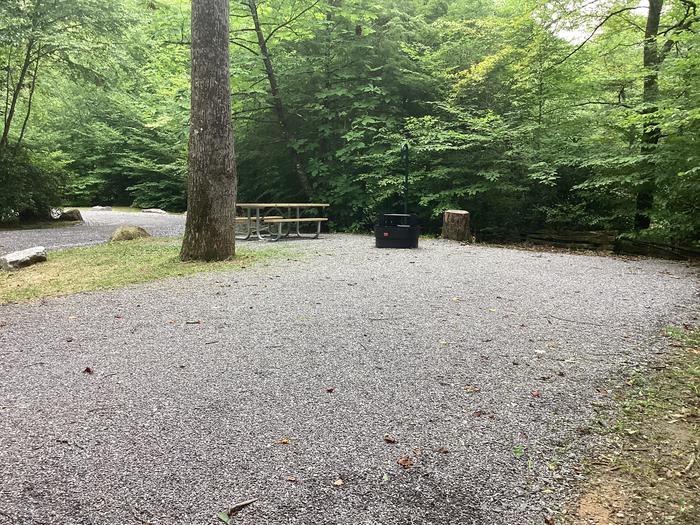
x=31 y=184
x=506 y=113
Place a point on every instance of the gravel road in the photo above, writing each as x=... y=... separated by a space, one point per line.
x=277 y=381
x=97 y=228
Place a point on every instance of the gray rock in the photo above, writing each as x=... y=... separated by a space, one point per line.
x=129 y=233
x=70 y=215
x=17 y=260
x=102 y=208
x=155 y=210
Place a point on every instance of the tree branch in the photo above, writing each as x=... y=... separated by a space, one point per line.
x=291 y=20
x=595 y=30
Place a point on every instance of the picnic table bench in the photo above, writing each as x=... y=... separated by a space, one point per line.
x=268 y=219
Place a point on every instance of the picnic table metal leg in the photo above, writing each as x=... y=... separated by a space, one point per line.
x=257 y=224
x=276 y=237
x=248 y=228
x=318 y=229
x=298 y=223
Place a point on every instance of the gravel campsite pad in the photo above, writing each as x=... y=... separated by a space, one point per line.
x=346 y=385
x=97 y=228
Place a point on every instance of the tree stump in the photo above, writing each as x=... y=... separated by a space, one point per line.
x=455 y=225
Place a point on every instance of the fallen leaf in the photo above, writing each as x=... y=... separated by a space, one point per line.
x=88 y=370
x=292 y=479
x=405 y=461
x=549 y=520
x=471 y=389
x=283 y=441
x=389 y=439
x=536 y=393
x=338 y=482
x=443 y=450
x=223 y=516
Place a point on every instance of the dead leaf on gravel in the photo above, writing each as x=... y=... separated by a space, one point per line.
x=536 y=393
x=338 y=482
x=549 y=520
x=471 y=389
x=88 y=370
x=389 y=439
x=283 y=441
x=405 y=461
x=292 y=479
x=443 y=450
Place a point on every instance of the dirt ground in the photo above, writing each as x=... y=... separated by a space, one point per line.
x=648 y=473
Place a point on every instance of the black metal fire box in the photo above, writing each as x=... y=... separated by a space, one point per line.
x=397 y=230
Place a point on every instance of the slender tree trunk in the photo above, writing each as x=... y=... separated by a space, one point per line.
x=277 y=103
x=4 y=139
x=651 y=133
x=211 y=211
x=29 y=101
x=8 y=80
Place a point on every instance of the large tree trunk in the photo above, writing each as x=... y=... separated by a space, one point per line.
x=211 y=208
x=651 y=132
x=280 y=110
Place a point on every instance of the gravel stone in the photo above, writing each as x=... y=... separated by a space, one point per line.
x=96 y=228
x=215 y=389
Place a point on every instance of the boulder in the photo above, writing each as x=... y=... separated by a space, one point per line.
x=70 y=215
x=155 y=210
x=102 y=208
x=17 y=260
x=129 y=233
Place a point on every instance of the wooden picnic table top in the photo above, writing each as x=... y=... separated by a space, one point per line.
x=281 y=205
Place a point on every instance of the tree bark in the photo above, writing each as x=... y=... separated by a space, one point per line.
x=455 y=225
x=651 y=132
x=211 y=185
x=280 y=110
x=4 y=139
x=32 y=89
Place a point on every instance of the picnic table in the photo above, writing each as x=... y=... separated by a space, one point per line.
x=270 y=219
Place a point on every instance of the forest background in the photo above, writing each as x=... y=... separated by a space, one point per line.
x=530 y=114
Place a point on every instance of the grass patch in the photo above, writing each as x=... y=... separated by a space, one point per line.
x=649 y=472
x=112 y=265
